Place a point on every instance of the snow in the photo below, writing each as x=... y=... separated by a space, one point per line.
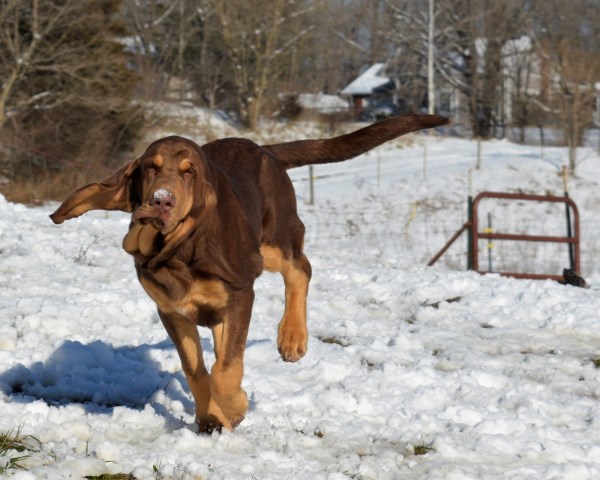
x=322 y=102
x=488 y=377
x=162 y=193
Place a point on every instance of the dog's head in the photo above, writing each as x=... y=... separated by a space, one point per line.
x=162 y=187
x=172 y=182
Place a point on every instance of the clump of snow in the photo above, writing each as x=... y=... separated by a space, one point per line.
x=322 y=103
x=493 y=377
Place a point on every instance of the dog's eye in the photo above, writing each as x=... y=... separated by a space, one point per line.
x=186 y=168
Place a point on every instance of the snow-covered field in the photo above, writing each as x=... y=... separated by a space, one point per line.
x=412 y=372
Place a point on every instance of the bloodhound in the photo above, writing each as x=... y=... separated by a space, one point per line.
x=206 y=221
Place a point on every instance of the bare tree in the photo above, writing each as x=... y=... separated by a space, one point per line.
x=468 y=38
x=240 y=55
x=568 y=43
x=256 y=35
x=407 y=27
x=522 y=85
x=166 y=40
x=64 y=84
x=151 y=50
x=346 y=38
x=46 y=60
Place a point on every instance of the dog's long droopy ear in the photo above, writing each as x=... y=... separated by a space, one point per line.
x=112 y=193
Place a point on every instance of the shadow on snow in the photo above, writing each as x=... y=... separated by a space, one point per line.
x=100 y=377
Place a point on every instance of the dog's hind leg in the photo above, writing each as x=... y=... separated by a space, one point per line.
x=292 y=336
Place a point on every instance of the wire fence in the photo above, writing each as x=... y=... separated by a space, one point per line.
x=413 y=232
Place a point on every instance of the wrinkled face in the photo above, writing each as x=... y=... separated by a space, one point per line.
x=168 y=172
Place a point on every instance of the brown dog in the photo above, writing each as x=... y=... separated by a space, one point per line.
x=206 y=222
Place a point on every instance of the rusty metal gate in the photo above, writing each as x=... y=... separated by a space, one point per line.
x=472 y=227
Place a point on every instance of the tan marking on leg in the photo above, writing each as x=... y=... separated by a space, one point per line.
x=292 y=337
x=272 y=257
x=225 y=385
x=217 y=333
x=184 y=334
x=228 y=370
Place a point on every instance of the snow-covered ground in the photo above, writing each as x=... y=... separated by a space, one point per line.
x=412 y=371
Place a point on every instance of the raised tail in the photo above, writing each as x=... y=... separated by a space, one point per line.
x=345 y=147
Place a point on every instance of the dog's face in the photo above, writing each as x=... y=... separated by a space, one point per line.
x=170 y=176
x=161 y=187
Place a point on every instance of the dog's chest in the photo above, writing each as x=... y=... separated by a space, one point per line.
x=188 y=300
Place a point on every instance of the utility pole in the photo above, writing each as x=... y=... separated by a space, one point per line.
x=430 y=79
x=430 y=68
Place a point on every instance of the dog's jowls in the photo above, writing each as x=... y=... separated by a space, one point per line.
x=206 y=221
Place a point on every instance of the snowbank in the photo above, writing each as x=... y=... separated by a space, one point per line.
x=412 y=372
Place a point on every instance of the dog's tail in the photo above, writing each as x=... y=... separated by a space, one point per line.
x=345 y=147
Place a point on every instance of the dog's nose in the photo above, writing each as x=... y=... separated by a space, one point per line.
x=163 y=200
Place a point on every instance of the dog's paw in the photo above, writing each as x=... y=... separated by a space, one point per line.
x=235 y=408
x=292 y=342
x=213 y=419
x=210 y=424
x=226 y=415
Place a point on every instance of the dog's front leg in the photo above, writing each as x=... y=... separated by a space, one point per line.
x=186 y=338
x=228 y=370
x=292 y=334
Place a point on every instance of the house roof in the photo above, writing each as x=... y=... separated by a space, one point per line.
x=368 y=82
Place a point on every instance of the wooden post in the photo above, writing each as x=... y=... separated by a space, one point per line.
x=311 y=185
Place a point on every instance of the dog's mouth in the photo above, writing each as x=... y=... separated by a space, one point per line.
x=146 y=214
x=158 y=222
